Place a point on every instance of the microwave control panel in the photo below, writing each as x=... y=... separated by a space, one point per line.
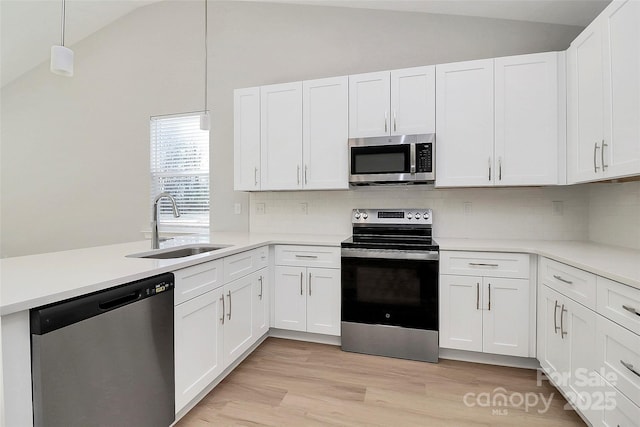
x=424 y=157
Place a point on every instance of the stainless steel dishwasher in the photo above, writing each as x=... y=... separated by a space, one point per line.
x=106 y=359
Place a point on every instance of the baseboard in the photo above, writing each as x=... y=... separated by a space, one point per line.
x=305 y=336
x=489 y=359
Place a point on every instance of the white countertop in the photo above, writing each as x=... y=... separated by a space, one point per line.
x=31 y=281
x=619 y=264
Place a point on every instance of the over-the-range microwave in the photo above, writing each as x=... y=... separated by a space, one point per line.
x=402 y=159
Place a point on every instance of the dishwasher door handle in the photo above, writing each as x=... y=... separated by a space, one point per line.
x=116 y=302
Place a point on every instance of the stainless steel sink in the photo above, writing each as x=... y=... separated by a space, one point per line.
x=179 y=251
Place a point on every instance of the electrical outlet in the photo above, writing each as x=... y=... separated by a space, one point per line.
x=557 y=207
x=260 y=208
x=467 y=208
x=237 y=208
x=304 y=208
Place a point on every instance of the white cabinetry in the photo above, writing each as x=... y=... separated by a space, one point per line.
x=604 y=96
x=486 y=306
x=325 y=131
x=519 y=144
x=307 y=289
x=246 y=139
x=221 y=310
x=577 y=344
x=281 y=136
x=398 y=102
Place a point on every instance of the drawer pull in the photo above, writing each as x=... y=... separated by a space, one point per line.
x=631 y=310
x=483 y=264
x=568 y=282
x=307 y=256
x=629 y=366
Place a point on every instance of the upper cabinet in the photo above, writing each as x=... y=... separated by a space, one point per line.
x=398 y=102
x=604 y=96
x=246 y=139
x=499 y=121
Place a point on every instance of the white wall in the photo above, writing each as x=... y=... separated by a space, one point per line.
x=74 y=168
x=614 y=214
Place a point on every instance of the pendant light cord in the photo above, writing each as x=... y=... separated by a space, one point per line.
x=63 y=18
x=206 y=27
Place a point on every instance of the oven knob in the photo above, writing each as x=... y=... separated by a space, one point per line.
x=417 y=216
x=409 y=216
x=425 y=216
x=365 y=215
x=357 y=215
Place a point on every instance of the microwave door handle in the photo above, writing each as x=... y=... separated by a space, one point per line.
x=412 y=158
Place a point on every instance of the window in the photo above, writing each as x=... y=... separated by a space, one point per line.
x=180 y=166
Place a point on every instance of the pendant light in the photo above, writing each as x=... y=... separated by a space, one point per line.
x=205 y=120
x=61 y=56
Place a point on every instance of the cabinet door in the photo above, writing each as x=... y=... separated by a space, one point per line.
x=281 y=136
x=461 y=312
x=325 y=125
x=621 y=154
x=290 y=300
x=238 y=322
x=553 y=352
x=526 y=119
x=585 y=105
x=246 y=139
x=464 y=119
x=198 y=345
x=261 y=303
x=323 y=301
x=506 y=316
x=369 y=101
x=413 y=101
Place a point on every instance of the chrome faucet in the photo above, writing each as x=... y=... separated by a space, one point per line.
x=155 y=240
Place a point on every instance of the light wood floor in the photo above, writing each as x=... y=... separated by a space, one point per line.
x=292 y=383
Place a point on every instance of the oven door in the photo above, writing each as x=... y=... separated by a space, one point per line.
x=398 y=288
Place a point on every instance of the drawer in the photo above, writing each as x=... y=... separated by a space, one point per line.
x=308 y=256
x=196 y=280
x=488 y=264
x=618 y=302
x=239 y=265
x=618 y=352
x=618 y=411
x=577 y=284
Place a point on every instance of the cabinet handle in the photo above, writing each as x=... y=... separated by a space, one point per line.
x=309 y=284
x=595 y=158
x=568 y=282
x=477 y=296
x=499 y=168
x=255 y=176
x=489 y=168
x=301 y=279
x=555 y=317
x=223 y=310
x=604 y=167
x=306 y=168
x=260 y=280
x=298 y=174
x=631 y=310
x=395 y=121
x=489 y=305
x=385 y=121
x=483 y=264
x=229 y=295
x=307 y=256
x=562 y=331
x=629 y=366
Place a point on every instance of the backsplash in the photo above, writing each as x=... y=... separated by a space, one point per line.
x=499 y=213
x=614 y=214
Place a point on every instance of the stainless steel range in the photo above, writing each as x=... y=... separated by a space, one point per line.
x=390 y=285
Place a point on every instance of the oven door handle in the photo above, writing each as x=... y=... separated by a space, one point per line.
x=390 y=254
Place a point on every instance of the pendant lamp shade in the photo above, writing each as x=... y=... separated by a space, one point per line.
x=62 y=61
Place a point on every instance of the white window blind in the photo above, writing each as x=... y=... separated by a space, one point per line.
x=180 y=166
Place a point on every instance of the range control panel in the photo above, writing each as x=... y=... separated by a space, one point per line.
x=392 y=216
